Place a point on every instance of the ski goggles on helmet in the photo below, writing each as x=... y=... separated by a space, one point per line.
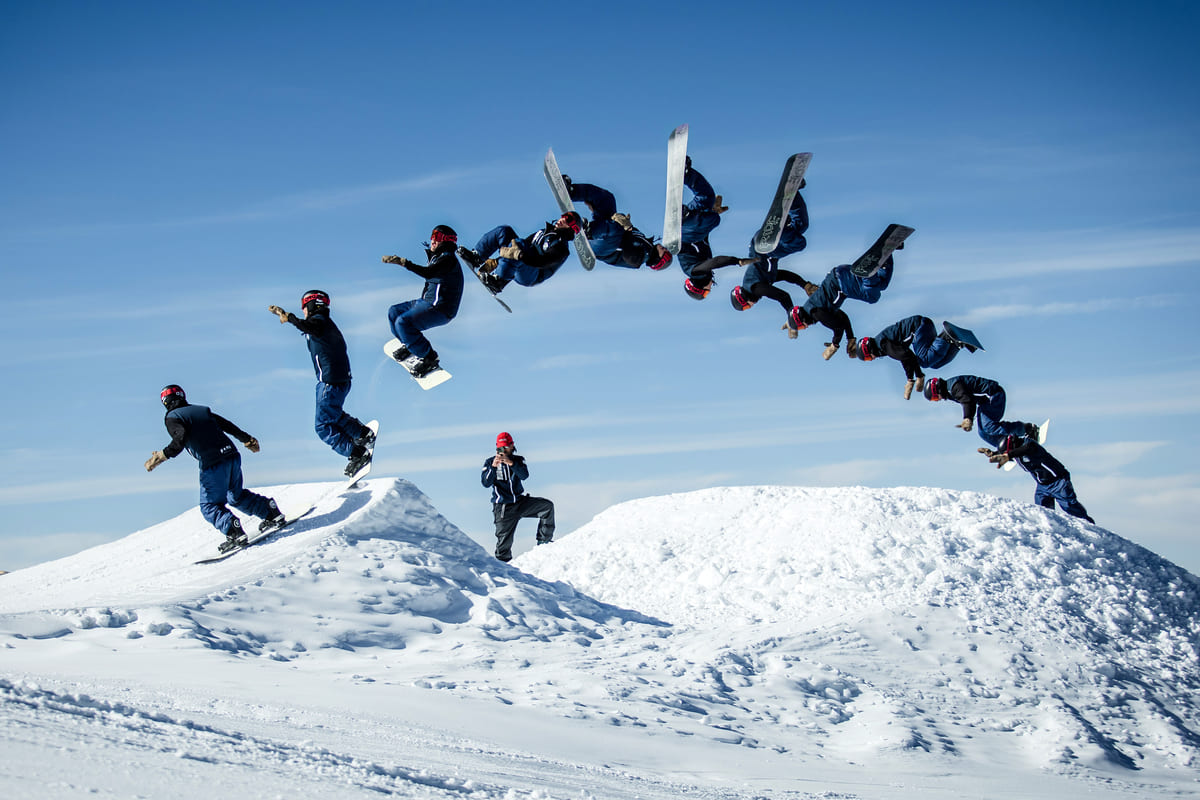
x=437 y=237
x=739 y=300
x=864 y=349
x=698 y=292
x=315 y=296
x=571 y=220
x=933 y=389
x=797 y=318
x=171 y=391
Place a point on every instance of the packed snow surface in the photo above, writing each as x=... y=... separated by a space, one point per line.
x=747 y=642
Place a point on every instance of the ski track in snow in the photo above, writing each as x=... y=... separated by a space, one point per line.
x=729 y=643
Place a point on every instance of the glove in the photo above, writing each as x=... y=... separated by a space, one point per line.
x=966 y=425
x=999 y=459
x=987 y=451
x=156 y=458
x=717 y=207
x=404 y=262
x=908 y=388
x=279 y=312
x=251 y=444
x=810 y=288
x=513 y=251
x=792 y=332
x=489 y=265
x=623 y=220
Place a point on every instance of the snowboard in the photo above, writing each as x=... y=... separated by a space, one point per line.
x=435 y=378
x=288 y=519
x=1043 y=430
x=962 y=336
x=767 y=238
x=473 y=263
x=583 y=249
x=868 y=263
x=676 y=166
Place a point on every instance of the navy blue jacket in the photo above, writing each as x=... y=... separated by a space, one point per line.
x=1037 y=461
x=443 y=281
x=202 y=433
x=505 y=481
x=326 y=345
x=972 y=391
x=699 y=219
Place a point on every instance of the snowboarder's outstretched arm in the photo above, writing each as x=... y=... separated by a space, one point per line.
x=246 y=439
x=316 y=325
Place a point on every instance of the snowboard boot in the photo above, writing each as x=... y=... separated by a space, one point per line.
x=830 y=351
x=494 y=283
x=359 y=458
x=908 y=388
x=366 y=438
x=234 y=537
x=470 y=256
x=1031 y=431
x=426 y=365
x=273 y=519
x=401 y=353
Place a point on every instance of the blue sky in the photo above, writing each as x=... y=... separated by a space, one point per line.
x=169 y=170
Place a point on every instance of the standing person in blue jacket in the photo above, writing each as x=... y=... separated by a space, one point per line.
x=503 y=474
x=825 y=304
x=1053 y=479
x=980 y=398
x=202 y=433
x=527 y=261
x=763 y=271
x=701 y=215
x=915 y=343
x=348 y=436
x=437 y=305
x=611 y=234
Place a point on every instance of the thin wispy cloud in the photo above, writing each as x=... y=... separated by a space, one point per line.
x=994 y=313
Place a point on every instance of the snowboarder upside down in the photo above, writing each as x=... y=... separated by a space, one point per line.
x=1052 y=478
x=980 y=398
x=612 y=236
x=825 y=304
x=915 y=343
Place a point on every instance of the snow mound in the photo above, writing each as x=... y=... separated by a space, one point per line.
x=374 y=567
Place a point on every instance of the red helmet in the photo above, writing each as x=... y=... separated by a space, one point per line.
x=739 y=299
x=504 y=439
x=867 y=349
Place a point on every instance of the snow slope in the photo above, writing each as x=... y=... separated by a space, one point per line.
x=731 y=643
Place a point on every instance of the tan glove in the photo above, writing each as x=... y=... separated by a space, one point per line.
x=810 y=289
x=999 y=459
x=623 y=220
x=251 y=444
x=745 y=262
x=279 y=312
x=717 y=207
x=792 y=332
x=489 y=265
x=513 y=251
x=404 y=262
x=908 y=388
x=966 y=425
x=154 y=460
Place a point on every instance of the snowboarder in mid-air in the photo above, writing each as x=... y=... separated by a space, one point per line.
x=1053 y=479
x=437 y=305
x=202 y=433
x=503 y=474
x=348 y=436
x=763 y=271
x=915 y=343
x=982 y=399
x=611 y=234
x=527 y=261
x=700 y=216
x=825 y=304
